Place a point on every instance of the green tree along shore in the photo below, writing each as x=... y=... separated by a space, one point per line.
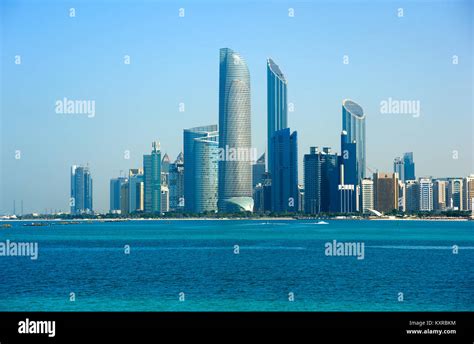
x=246 y=215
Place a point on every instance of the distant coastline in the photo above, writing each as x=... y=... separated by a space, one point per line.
x=389 y=218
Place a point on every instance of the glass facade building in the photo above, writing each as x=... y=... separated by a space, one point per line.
x=235 y=174
x=412 y=196
x=399 y=167
x=115 y=193
x=353 y=123
x=258 y=171
x=176 y=184
x=455 y=193
x=329 y=180
x=152 y=179
x=349 y=182
x=201 y=148
x=321 y=178
x=409 y=166
x=81 y=190
x=205 y=168
x=136 y=190
x=277 y=105
x=312 y=182
x=284 y=171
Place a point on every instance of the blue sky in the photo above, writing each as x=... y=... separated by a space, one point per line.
x=175 y=59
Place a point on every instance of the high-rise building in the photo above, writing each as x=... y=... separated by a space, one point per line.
x=321 y=178
x=329 y=180
x=402 y=196
x=235 y=171
x=136 y=196
x=165 y=199
x=353 y=123
x=258 y=171
x=258 y=198
x=201 y=155
x=300 y=198
x=263 y=195
x=81 y=190
x=124 y=198
x=206 y=155
x=277 y=105
x=367 y=190
x=426 y=194
x=409 y=166
x=385 y=192
x=455 y=194
x=165 y=169
x=468 y=192
x=399 y=167
x=165 y=163
x=191 y=158
x=412 y=196
x=284 y=173
x=348 y=195
x=72 y=193
x=439 y=195
x=312 y=182
x=116 y=193
x=152 y=178
x=349 y=176
x=176 y=184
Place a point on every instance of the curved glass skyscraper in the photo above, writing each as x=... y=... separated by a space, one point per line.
x=353 y=123
x=235 y=172
x=206 y=155
x=200 y=169
x=277 y=106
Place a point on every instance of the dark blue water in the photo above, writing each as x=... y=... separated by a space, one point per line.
x=276 y=258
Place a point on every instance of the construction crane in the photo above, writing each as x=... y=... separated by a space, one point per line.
x=371 y=171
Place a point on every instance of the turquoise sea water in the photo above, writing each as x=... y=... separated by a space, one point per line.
x=276 y=258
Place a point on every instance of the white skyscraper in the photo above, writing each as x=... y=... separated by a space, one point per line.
x=367 y=195
x=426 y=194
x=402 y=199
x=165 y=199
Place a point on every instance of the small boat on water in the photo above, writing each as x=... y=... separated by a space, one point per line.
x=322 y=223
x=6 y=225
x=36 y=224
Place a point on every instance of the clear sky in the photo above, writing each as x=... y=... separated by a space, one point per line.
x=176 y=59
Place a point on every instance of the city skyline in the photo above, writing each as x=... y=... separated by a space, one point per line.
x=217 y=176
x=106 y=155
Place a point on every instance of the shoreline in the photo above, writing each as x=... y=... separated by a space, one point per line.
x=237 y=219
